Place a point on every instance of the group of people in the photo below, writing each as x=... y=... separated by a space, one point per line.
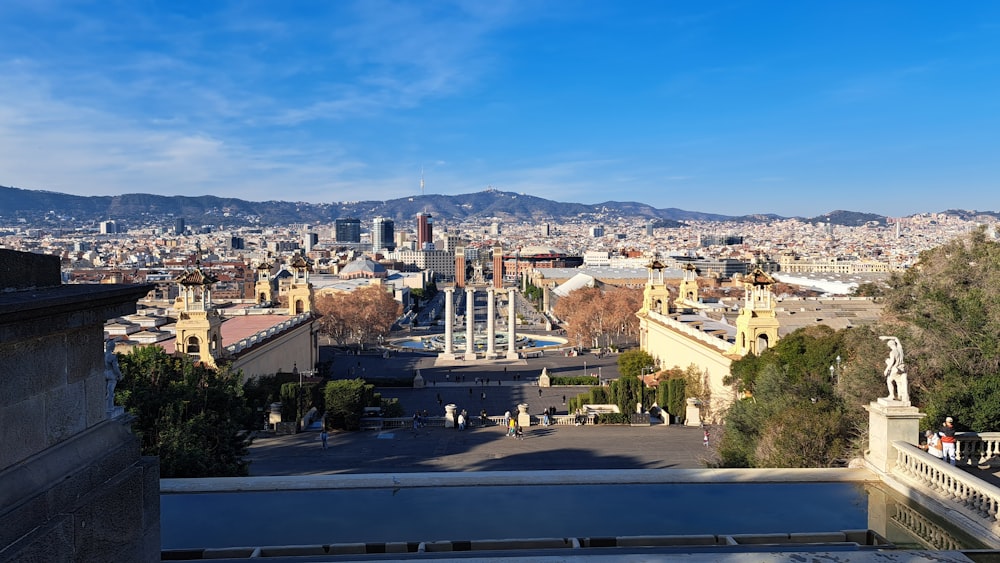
x=941 y=443
x=513 y=428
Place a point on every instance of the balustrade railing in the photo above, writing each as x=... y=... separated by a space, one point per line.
x=923 y=528
x=978 y=448
x=975 y=495
x=474 y=421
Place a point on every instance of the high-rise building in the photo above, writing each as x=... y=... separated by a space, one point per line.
x=309 y=239
x=383 y=234
x=597 y=232
x=425 y=231
x=495 y=229
x=108 y=227
x=546 y=230
x=347 y=230
x=649 y=228
x=237 y=243
x=179 y=226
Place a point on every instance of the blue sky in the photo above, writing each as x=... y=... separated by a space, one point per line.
x=796 y=108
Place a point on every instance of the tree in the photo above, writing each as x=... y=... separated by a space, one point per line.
x=802 y=408
x=634 y=362
x=191 y=416
x=946 y=312
x=627 y=391
x=346 y=400
x=361 y=315
x=593 y=316
x=785 y=424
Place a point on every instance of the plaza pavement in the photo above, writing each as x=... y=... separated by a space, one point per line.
x=479 y=449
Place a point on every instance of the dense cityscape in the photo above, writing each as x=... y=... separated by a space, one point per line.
x=384 y=280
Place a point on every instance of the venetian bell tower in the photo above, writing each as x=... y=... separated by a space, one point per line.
x=264 y=289
x=757 y=324
x=199 y=332
x=687 y=294
x=656 y=296
x=300 y=293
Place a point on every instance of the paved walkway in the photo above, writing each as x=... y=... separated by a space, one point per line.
x=479 y=449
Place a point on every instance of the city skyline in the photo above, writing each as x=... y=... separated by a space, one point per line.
x=732 y=108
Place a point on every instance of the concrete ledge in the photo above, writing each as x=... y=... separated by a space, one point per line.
x=488 y=478
x=668 y=541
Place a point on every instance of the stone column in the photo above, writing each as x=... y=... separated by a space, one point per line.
x=491 y=329
x=449 y=322
x=511 y=322
x=450 y=416
x=890 y=421
x=470 y=323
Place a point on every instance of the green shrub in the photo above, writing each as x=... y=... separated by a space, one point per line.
x=345 y=402
x=574 y=380
x=613 y=418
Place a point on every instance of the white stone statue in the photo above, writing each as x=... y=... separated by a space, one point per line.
x=895 y=371
x=112 y=374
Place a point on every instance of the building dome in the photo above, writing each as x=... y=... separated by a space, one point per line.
x=540 y=251
x=363 y=268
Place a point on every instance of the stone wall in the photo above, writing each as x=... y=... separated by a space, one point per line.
x=73 y=486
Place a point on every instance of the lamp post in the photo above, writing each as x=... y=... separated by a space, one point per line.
x=585 y=367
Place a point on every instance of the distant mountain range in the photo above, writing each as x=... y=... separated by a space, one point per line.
x=40 y=207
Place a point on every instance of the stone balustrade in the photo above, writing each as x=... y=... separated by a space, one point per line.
x=474 y=422
x=978 y=498
x=978 y=448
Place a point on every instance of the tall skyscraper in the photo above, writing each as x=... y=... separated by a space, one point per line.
x=649 y=228
x=179 y=226
x=383 y=234
x=546 y=230
x=347 y=230
x=425 y=231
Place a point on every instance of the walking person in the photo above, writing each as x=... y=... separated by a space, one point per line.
x=705 y=438
x=323 y=436
x=947 y=433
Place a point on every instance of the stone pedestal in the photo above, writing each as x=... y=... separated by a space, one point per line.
x=692 y=415
x=889 y=421
x=523 y=418
x=450 y=416
x=544 y=380
x=418 y=381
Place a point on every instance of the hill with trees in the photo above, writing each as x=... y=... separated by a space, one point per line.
x=38 y=208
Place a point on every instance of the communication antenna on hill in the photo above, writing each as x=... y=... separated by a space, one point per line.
x=421 y=180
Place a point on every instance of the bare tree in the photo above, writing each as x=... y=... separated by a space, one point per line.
x=362 y=315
